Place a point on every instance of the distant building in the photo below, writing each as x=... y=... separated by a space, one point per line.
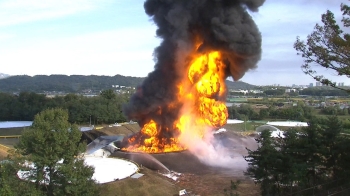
x=341 y=84
x=290 y=90
x=256 y=91
x=311 y=84
x=239 y=91
x=318 y=83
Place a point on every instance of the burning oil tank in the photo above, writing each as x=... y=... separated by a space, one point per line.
x=203 y=43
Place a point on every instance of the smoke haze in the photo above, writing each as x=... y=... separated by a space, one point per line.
x=212 y=152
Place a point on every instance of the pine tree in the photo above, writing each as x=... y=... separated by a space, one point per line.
x=262 y=167
x=313 y=160
x=10 y=185
x=328 y=47
x=53 y=146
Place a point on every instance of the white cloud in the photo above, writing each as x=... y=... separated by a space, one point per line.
x=21 y=11
x=280 y=22
x=6 y=36
x=123 y=51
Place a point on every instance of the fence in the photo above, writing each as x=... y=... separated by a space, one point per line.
x=10 y=136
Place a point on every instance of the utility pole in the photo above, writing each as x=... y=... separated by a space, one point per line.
x=245 y=122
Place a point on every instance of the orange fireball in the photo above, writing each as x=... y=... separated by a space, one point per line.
x=199 y=94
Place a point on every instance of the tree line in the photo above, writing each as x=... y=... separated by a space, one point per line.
x=104 y=108
x=309 y=161
x=80 y=83
x=300 y=112
x=323 y=92
x=64 y=83
x=107 y=108
x=280 y=92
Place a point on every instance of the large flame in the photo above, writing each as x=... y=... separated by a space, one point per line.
x=200 y=93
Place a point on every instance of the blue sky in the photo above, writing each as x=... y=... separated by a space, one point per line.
x=106 y=37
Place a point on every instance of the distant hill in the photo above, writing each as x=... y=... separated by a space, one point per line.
x=239 y=85
x=80 y=83
x=2 y=75
x=64 y=83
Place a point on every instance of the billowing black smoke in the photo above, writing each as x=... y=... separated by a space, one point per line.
x=222 y=25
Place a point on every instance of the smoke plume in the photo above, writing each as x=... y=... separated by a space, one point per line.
x=211 y=151
x=188 y=28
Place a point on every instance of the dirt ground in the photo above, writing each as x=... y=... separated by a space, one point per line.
x=3 y=154
x=151 y=184
x=207 y=185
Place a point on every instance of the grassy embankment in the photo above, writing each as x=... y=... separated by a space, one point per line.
x=150 y=184
x=6 y=142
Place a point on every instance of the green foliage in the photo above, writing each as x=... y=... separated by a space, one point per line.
x=299 y=112
x=102 y=109
x=330 y=110
x=260 y=163
x=10 y=107
x=243 y=112
x=322 y=92
x=264 y=113
x=64 y=83
x=328 y=47
x=109 y=96
x=334 y=110
x=53 y=146
x=246 y=111
x=21 y=107
x=310 y=161
x=78 y=182
x=233 y=187
x=10 y=185
x=237 y=85
x=31 y=104
x=276 y=92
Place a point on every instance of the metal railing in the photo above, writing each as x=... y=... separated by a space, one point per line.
x=10 y=136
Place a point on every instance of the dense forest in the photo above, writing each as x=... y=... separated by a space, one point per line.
x=323 y=92
x=80 y=83
x=308 y=161
x=274 y=111
x=107 y=107
x=104 y=108
x=239 y=85
x=64 y=83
